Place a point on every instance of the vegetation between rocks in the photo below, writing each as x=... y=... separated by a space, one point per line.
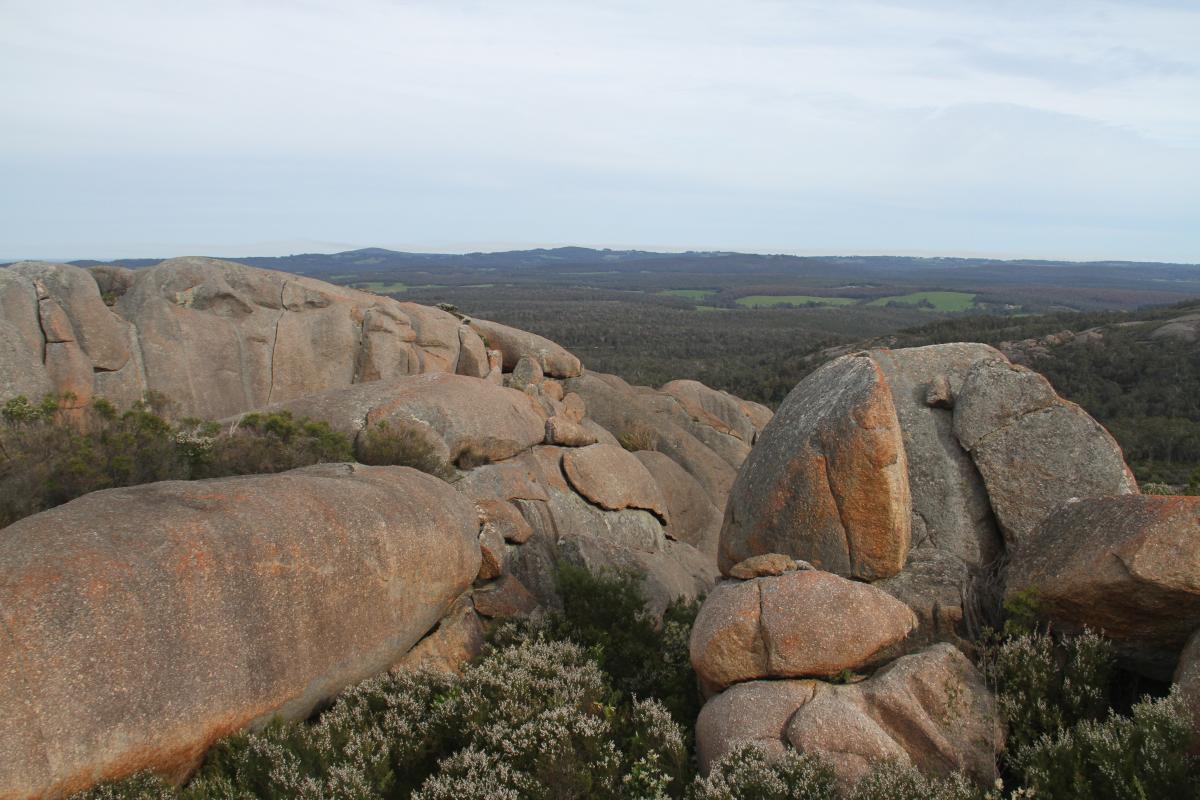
x=52 y=451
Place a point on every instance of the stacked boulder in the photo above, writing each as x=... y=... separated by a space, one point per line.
x=139 y=625
x=916 y=484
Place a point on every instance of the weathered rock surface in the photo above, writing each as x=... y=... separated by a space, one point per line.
x=942 y=591
x=800 y=624
x=766 y=565
x=507 y=597
x=140 y=625
x=692 y=517
x=565 y=433
x=1128 y=566
x=950 y=508
x=613 y=478
x=457 y=639
x=756 y=712
x=930 y=709
x=1034 y=450
x=219 y=338
x=616 y=406
x=456 y=415
x=827 y=480
x=719 y=410
x=516 y=344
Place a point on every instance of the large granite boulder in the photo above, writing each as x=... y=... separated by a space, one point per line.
x=459 y=417
x=719 y=410
x=215 y=337
x=517 y=344
x=930 y=710
x=1127 y=566
x=950 y=508
x=799 y=624
x=613 y=478
x=827 y=480
x=1034 y=450
x=140 y=625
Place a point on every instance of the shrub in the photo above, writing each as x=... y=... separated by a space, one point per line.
x=1043 y=686
x=1144 y=755
x=892 y=781
x=275 y=442
x=401 y=445
x=746 y=773
x=639 y=436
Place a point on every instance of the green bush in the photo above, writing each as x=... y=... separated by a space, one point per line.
x=401 y=445
x=267 y=443
x=1136 y=757
x=891 y=781
x=746 y=773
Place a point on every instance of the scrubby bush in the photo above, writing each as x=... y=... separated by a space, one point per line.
x=747 y=773
x=401 y=445
x=1143 y=755
x=890 y=781
x=639 y=436
x=52 y=452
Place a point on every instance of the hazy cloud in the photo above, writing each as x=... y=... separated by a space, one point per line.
x=1063 y=129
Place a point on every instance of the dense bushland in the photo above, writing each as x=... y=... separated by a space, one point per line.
x=52 y=452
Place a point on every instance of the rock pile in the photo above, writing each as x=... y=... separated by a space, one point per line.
x=139 y=625
x=921 y=485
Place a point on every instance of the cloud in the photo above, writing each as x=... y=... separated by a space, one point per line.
x=883 y=108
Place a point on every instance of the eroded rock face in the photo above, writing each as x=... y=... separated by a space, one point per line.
x=719 y=410
x=217 y=338
x=798 y=624
x=950 y=508
x=827 y=480
x=1034 y=450
x=930 y=709
x=1128 y=566
x=613 y=478
x=142 y=624
x=456 y=415
x=516 y=344
x=692 y=516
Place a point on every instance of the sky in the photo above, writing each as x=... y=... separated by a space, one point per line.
x=1010 y=128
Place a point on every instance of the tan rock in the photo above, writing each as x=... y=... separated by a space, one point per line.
x=514 y=344
x=613 y=478
x=827 y=480
x=574 y=408
x=565 y=433
x=527 y=372
x=693 y=517
x=507 y=597
x=472 y=357
x=553 y=389
x=143 y=624
x=505 y=519
x=800 y=624
x=766 y=565
x=492 y=550
x=930 y=709
x=457 y=639
x=1128 y=566
x=756 y=712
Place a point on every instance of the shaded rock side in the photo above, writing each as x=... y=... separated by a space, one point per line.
x=1128 y=566
x=140 y=625
x=1187 y=680
x=1034 y=450
x=719 y=410
x=457 y=416
x=692 y=516
x=827 y=480
x=800 y=624
x=950 y=508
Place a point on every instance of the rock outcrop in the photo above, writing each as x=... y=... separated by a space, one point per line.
x=613 y=478
x=930 y=710
x=799 y=624
x=515 y=344
x=216 y=337
x=1128 y=566
x=140 y=625
x=827 y=480
x=1034 y=449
